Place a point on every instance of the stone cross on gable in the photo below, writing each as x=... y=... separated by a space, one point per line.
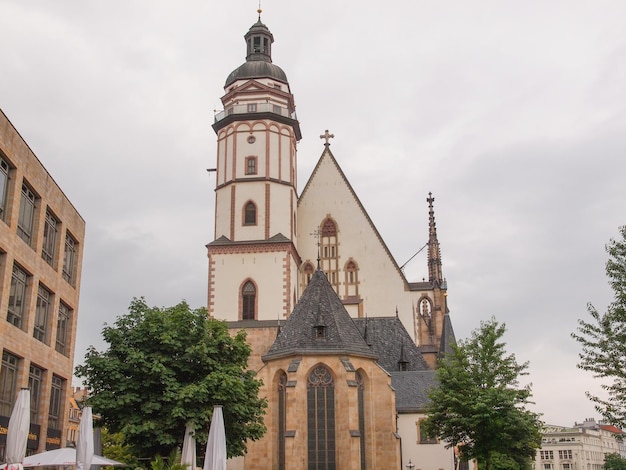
x=327 y=137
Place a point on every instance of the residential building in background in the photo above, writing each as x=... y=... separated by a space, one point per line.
x=580 y=447
x=41 y=249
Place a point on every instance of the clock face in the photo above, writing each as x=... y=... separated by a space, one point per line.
x=251 y=139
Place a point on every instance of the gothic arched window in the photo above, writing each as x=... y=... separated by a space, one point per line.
x=248 y=301
x=321 y=419
x=307 y=273
x=329 y=251
x=249 y=214
x=352 y=278
x=282 y=419
x=361 y=404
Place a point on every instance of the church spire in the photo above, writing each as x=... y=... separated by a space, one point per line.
x=434 y=253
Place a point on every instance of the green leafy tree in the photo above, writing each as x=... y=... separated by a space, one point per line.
x=165 y=367
x=113 y=447
x=479 y=406
x=614 y=462
x=603 y=339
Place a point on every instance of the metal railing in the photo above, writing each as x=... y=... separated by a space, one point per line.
x=255 y=108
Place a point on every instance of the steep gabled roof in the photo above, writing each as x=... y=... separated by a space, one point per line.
x=389 y=339
x=412 y=389
x=328 y=154
x=447 y=337
x=319 y=324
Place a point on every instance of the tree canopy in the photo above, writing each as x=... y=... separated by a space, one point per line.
x=478 y=405
x=165 y=367
x=614 y=462
x=603 y=338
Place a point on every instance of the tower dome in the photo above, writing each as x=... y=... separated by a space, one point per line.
x=258 y=62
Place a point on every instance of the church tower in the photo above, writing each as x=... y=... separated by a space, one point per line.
x=253 y=260
x=433 y=322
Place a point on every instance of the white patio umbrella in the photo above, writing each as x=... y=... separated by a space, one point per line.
x=65 y=457
x=215 y=457
x=17 y=435
x=188 y=454
x=84 y=444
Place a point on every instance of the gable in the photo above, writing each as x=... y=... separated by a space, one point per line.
x=328 y=193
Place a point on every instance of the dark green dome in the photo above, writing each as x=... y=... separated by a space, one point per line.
x=258 y=63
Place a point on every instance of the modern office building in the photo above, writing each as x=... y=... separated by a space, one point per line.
x=41 y=247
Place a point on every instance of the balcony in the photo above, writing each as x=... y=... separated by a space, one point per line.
x=252 y=108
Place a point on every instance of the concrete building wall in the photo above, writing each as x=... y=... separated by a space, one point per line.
x=423 y=453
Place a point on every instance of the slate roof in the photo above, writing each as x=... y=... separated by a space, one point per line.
x=319 y=308
x=412 y=389
x=447 y=337
x=224 y=241
x=391 y=342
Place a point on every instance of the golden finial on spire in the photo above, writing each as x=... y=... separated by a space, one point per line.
x=259 y=11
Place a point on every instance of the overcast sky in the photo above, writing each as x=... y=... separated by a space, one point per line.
x=512 y=113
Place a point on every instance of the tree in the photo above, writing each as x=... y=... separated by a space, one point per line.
x=478 y=405
x=603 y=339
x=113 y=447
x=614 y=462
x=165 y=367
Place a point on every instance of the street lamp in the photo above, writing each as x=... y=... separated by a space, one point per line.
x=410 y=465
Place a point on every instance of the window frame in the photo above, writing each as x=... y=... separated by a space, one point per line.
x=250 y=212
x=50 y=233
x=8 y=394
x=282 y=419
x=35 y=380
x=321 y=425
x=16 y=314
x=248 y=300
x=26 y=218
x=41 y=329
x=329 y=251
x=5 y=177
x=251 y=165
x=63 y=329
x=56 y=413
x=70 y=255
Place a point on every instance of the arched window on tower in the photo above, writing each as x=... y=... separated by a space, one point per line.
x=321 y=419
x=249 y=213
x=329 y=252
x=248 y=301
x=351 y=270
x=307 y=273
x=426 y=314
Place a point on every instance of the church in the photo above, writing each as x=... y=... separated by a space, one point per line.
x=345 y=345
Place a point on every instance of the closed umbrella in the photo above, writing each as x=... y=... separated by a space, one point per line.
x=84 y=445
x=215 y=457
x=17 y=435
x=188 y=455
